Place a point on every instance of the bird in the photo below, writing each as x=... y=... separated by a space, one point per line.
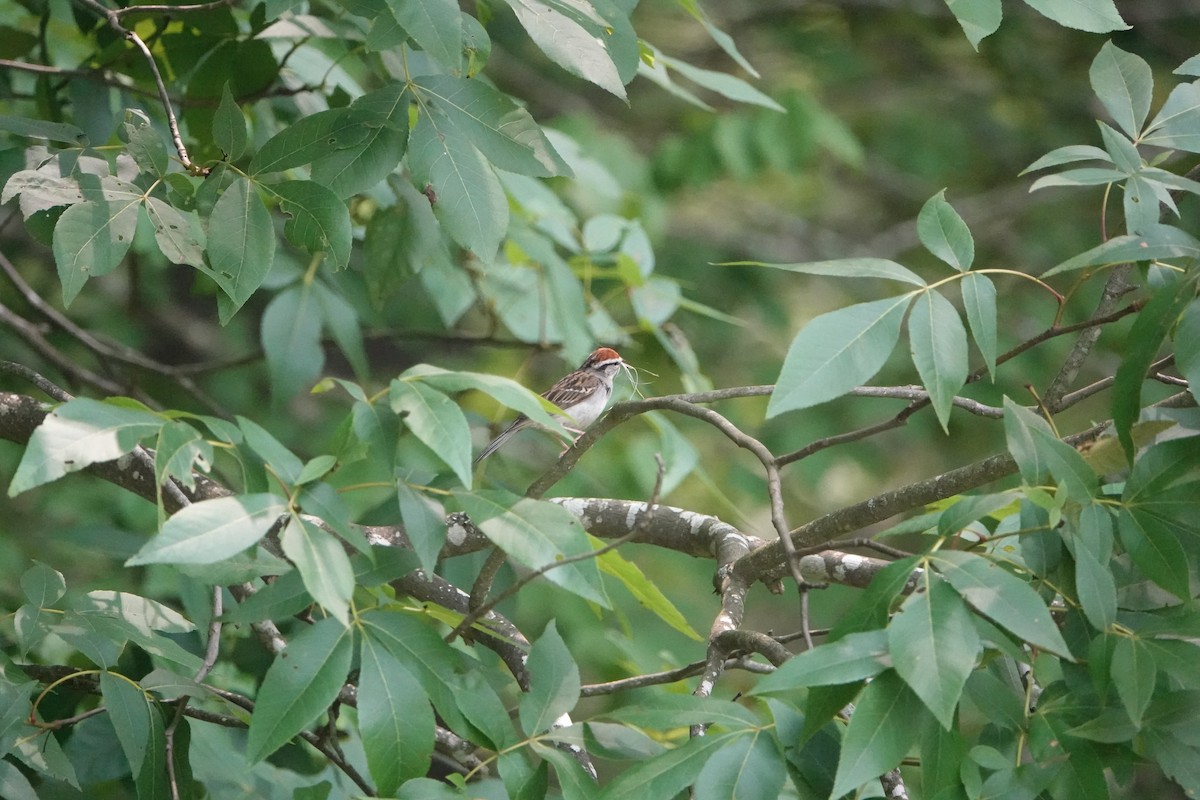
x=582 y=394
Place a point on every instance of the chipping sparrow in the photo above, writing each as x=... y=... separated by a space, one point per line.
x=582 y=394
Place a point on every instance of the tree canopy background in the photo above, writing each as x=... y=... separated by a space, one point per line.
x=289 y=258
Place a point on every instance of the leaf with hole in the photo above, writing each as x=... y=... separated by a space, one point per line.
x=90 y=240
x=318 y=220
x=467 y=198
x=243 y=249
x=310 y=138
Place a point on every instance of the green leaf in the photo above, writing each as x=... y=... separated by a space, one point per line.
x=1150 y=329
x=505 y=391
x=844 y=268
x=978 y=18
x=1068 y=155
x=1083 y=176
x=933 y=646
x=874 y=606
x=1094 y=16
x=179 y=235
x=1111 y=726
x=281 y=461
x=537 y=534
x=567 y=42
x=853 y=657
x=323 y=565
x=505 y=133
x=573 y=781
x=437 y=421
x=1133 y=672
x=43 y=129
x=424 y=524
x=145 y=145
x=181 y=449
x=1140 y=202
x=356 y=169
x=672 y=710
x=1003 y=597
x=433 y=662
x=836 y=352
x=130 y=715
x=1124 y=152
x=143 y=614
x=299 y=686
x=243 y=249
x=318 y=220
x=885 y=725
x=291 y=337
x=13 y=783
x=394 y=718
x=470 y=203
x=310 y=138
x=1155 y=550
x=152 y=780
x=42 y=585
x=1157 y=242
x=1125 y=86
x=944 y=233
x=722 y=83
x=282 y=597
x=645 y=591
x=939 y=350
x=315 y=469
x=553 y=683
x=90 y=240
x=211 y=530
x=435 y=25
x=942 y=756
x=668 y=774
x=1038 y=451
x=749 y=768
x=229 y=126
x=1176 y=758
x=1096 y=589
x=979 y=301
x=79 y=433
x=1177 y=124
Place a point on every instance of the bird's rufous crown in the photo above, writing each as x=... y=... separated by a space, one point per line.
x=604 y=354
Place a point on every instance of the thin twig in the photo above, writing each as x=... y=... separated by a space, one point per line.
x=902 y=418
x=182 y=9
x=919 y=393
x=118 y=352
x=30 y=333
x=49 y=387
x=669 y=676
x=114 y=21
